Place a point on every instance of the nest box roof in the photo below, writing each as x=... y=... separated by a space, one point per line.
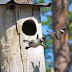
x=22 y=2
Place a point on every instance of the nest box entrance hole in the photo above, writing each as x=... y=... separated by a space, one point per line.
x=29 y=27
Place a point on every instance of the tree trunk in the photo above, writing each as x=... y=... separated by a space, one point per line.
x=61 y=47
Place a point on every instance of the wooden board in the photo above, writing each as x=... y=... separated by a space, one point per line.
x=15 y=58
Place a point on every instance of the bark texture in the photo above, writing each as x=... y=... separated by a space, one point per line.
x=61 y=47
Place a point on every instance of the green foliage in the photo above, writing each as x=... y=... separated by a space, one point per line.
x=70 y=1
x=48 y=70
x=46 y=9
x=70 y=30
x=70 y=16
x=48 y=65
x=48 y=21
x=70 y=24
x=41 y=1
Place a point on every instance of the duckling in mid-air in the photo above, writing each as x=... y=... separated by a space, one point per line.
x=58 y=35
x=36 y=42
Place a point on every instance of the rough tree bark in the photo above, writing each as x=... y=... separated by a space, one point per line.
x=61 y=47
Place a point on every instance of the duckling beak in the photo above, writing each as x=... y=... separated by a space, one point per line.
x=44 y=38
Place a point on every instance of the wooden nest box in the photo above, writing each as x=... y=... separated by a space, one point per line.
x=19 y=21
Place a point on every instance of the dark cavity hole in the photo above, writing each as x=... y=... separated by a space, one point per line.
x=29 y=27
